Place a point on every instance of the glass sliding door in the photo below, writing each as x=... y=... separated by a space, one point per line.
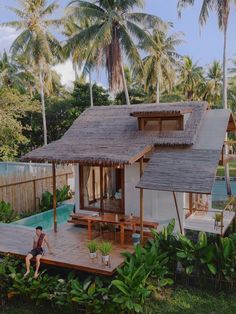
x=102 y=188
x=113 y=194
x=91 y=192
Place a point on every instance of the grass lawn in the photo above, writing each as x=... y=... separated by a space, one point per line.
x=193 y=301
x=232 y=169
x=178 y=301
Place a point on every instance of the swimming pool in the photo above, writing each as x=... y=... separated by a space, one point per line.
x=45 y=219
x=219 y=192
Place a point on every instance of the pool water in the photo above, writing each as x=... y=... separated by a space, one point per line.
x=45 y=219
x=219 y=192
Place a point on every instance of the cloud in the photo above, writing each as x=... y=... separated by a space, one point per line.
x=7 y=36
x=66 y=71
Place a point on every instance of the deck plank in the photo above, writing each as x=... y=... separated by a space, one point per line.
x=206 y=222
x=68 y=245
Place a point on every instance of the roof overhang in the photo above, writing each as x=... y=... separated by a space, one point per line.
x=181 y=170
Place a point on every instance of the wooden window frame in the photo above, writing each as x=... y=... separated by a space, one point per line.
x=143 y=121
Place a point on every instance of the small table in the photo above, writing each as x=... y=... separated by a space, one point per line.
x=116 y=219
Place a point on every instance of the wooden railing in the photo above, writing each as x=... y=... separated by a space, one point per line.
x=228 y=207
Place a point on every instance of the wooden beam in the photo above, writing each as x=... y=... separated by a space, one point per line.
x=141 y=203
x=177 y=210
x=54 y=196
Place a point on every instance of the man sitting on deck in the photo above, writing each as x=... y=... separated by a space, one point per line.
x=40 y=240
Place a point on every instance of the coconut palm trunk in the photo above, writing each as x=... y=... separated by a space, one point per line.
x=225 y=105
x=91 y=89
x=41 y=79
x=125 y=85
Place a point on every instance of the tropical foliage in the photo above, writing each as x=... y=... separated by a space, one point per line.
x=139 y=52
x=165 y=259
x=36 y=44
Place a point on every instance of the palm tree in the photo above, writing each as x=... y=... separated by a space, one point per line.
x=190 y=78
x=112 y=34
x=212 y=90
x=78 y=53
x=222 y=8
x=36 y=42
x=11 y=73
x=159 y=66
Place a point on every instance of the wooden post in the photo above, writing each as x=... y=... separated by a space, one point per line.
x=54 y=196
x=191 y=203
x=101 y=188
x=93 y=184
x=177 y=210
x=81 y=186
x=221 y=223
x=141 y=203
x=123 y=190
x=34 y=191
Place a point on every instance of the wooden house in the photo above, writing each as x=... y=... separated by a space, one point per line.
x=156 y=162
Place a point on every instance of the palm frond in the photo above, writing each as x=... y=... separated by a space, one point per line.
x=149 y=21
x=207 y=6
x=182 y=4
x=20 y=42
x=50 y=9
x=15 y=24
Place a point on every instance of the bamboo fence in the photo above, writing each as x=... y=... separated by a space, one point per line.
x=23 y=188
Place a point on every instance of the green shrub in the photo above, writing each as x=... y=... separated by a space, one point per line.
x=61 y=195
x=93 y=295
x=8 y=270
x=46 y=201
x=135 y=280
x=7 y=214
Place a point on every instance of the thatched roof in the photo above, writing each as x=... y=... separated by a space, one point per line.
x=109 y=135
x=190 y=169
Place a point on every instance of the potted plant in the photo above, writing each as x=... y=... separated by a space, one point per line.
x=105 y=248
x=93 y=247
x=218 y=218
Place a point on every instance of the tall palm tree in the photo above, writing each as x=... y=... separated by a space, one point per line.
x=73 y=48
x=222 y=9
x=35 y=41
x=159 y=66
x=190 y=78
x=113 y=33
x=212 y=90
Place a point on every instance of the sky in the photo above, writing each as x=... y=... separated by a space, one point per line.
x=203 y=44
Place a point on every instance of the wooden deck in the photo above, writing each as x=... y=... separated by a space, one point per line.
x=68 y=245
x=206 y=222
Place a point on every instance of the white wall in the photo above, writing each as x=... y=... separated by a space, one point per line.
x=158 y=205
